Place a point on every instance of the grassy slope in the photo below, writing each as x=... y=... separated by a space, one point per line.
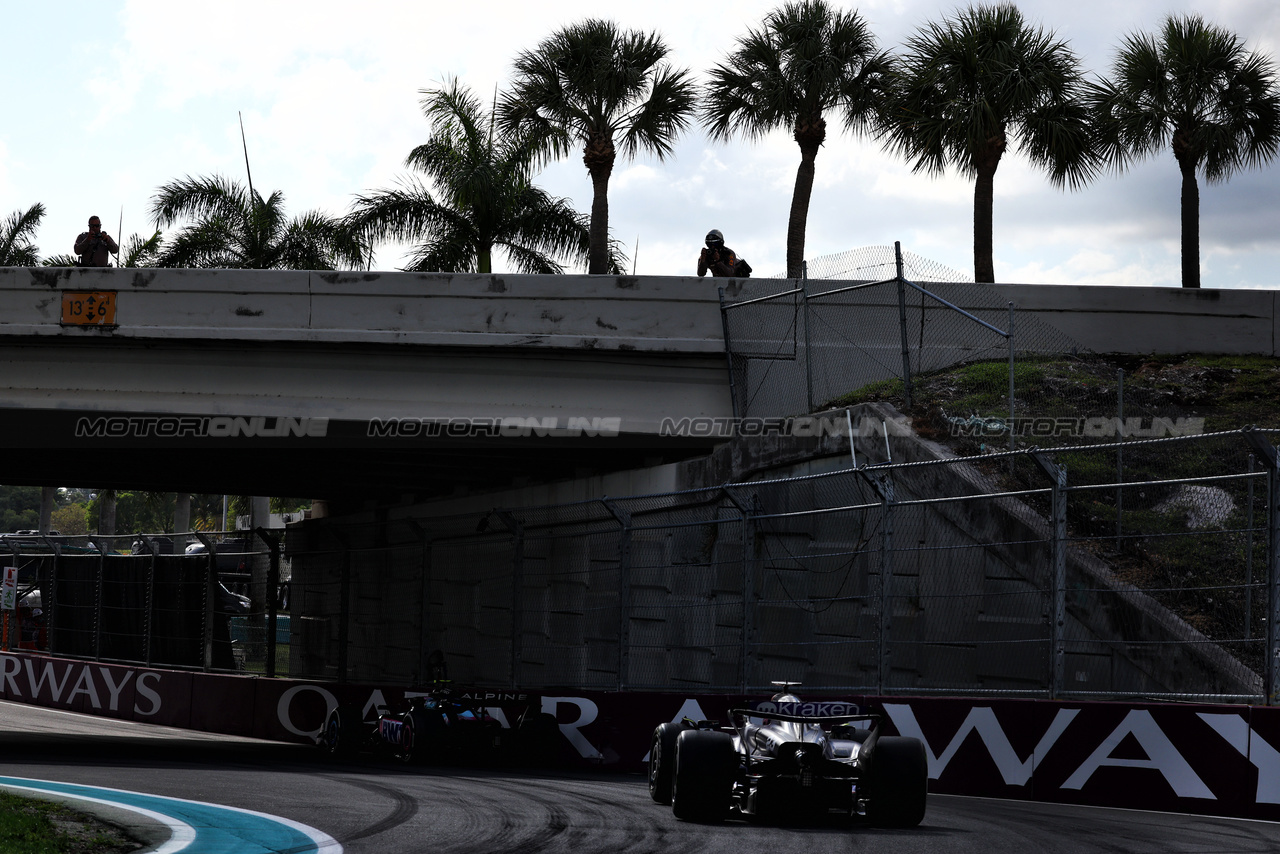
x=31 y=826
x=1211 y=573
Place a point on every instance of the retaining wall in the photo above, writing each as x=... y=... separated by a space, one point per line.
x=1216 y=760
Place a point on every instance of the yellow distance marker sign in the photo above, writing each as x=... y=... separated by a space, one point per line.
x=88 y=308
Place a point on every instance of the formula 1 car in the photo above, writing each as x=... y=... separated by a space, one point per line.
x=787 y=760
x=448 y=724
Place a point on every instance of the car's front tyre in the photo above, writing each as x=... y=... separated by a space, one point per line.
x=341 y=733
x=662 y=761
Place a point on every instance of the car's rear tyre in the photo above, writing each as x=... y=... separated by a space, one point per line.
x=538 y=739
x=899 y=784
x=702 y=786
x=341 y=733
x=662 y=761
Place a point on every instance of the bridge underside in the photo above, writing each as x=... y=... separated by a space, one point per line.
x=346 y=423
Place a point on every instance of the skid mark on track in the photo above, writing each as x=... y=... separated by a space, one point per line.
x=404 y=808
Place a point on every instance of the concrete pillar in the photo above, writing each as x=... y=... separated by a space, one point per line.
x=181 y=521
x=48 y=500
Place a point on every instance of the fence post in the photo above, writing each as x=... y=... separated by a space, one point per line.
x=210 y=599
x=1267 y=455
x=148 y=615
x=97 y=595
x=747 y=579
x=210 y=607
x=884 y=488
x=624 y=590
x=902 y=322
x=1119 y=458
x=424 y=595
x=1248 y=559
x=728 y=353
x=273 y=596
x=344 y=611
x=748 y=584
x=517 y=591
x=808 y=353
x=1013 y=414
x=1058 y=576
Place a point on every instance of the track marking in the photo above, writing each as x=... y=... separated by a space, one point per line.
x=196 y=826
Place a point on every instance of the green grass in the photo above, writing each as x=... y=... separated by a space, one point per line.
x=29 y=826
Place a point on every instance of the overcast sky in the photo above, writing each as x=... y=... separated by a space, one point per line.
x=107 y=101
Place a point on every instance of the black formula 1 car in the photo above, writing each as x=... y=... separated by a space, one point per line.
x=448 y=724
x=787 y=760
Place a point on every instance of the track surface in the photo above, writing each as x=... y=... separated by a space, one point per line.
x=371 y=806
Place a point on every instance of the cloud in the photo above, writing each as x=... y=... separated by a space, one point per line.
x=329 y=94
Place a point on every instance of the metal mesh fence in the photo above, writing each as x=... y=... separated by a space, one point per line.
x=133 y=599
x=908 y=578
x=1064 y=574
x=854 y=321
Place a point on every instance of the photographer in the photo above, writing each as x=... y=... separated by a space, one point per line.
x=95 y=245
x=720 y=259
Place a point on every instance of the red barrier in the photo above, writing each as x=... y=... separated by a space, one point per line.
x=1216 y=760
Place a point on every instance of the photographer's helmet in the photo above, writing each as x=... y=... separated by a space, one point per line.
x=715 y=239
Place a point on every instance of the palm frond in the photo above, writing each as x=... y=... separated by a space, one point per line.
x=16 y=233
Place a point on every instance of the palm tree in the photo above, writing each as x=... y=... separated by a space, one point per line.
x=1195 y=89
x=16 y=233
x=237 y=229
x=807 y=59
x=592 y=84
x=483 y=198
x=976 y=84
x=138 y=252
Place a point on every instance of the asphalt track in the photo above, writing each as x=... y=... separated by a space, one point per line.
x=367 y=805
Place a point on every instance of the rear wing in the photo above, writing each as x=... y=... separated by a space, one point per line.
x=805 y=719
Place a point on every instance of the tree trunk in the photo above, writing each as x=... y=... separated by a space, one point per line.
x=259 y=570
x=484 y=260
x=1190 y=224
x=107 y=512
x=598 y=256
x=798 y=223
x=181 y=521
x=985 y=164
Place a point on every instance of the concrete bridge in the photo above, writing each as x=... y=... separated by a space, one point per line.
x=347 y=383
x=393 y=385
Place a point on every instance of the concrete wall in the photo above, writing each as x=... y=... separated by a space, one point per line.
x=664 y=313
x=352 y=347
x=1110 y=319
x=438 y=309
x=970 y=584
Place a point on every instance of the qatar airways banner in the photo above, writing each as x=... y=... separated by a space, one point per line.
x=1219 y=760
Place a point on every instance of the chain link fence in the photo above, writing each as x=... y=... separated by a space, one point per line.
x=215 y=601
x=948 y=576
x=871 y=316
x=1036 y=573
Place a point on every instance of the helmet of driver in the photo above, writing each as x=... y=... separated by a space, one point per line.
x=715 y=239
